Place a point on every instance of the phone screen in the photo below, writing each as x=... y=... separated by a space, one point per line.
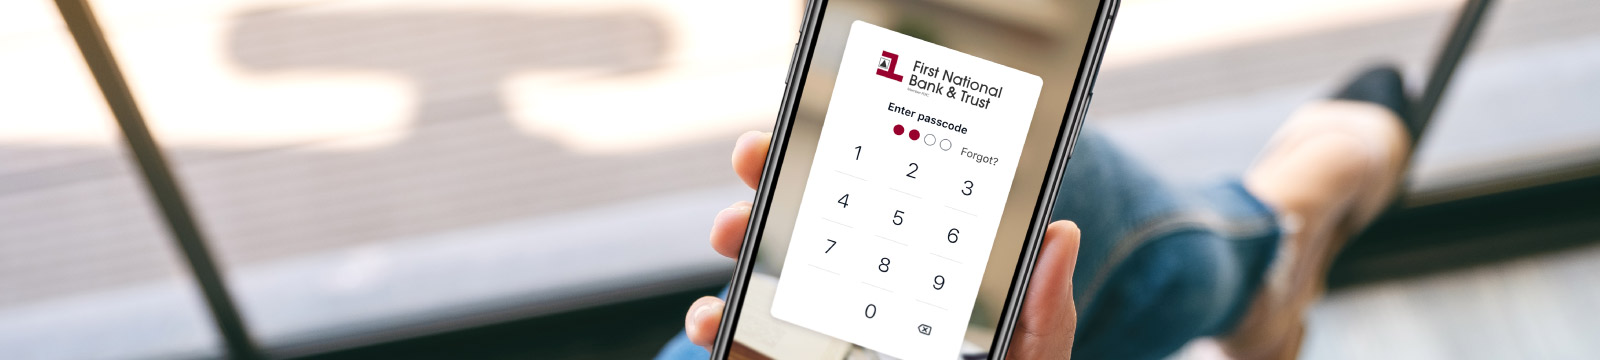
x=914 y=165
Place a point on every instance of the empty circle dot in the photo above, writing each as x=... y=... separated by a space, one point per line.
x=929 y=140
x=915 y=134
x=900 y=130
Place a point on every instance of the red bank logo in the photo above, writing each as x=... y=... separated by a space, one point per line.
x=886 y=65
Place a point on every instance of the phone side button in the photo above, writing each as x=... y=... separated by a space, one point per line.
x=1084 y=111
x=794 y=56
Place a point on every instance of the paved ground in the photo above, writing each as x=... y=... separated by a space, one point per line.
x=457 y=165
x=1532 y=308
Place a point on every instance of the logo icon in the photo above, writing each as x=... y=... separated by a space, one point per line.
x=886 y=65
x=925 y=329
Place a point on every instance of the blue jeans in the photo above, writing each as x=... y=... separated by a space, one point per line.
x=1158 y=266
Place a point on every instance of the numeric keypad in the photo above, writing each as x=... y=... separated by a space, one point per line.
x=904 y=196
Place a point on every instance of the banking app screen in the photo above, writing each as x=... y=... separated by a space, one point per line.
x=912 y=171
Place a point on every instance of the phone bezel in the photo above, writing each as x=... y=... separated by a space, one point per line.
x=800 y=61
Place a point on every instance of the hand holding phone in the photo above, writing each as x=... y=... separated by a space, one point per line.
x=1048 y=319
x=901 y=206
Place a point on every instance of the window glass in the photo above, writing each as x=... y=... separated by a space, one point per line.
x=83 y=252
x=367 y=167
x=1221 y=75
x=1196 y=88
x=1520 y=110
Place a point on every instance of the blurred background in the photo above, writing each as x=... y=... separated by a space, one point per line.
x=534 y=179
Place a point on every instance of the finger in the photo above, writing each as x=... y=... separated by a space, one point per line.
x=750 y=154
x=727 y=230
x=702 y=321
x=1049 y=319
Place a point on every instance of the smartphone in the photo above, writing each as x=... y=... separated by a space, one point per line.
x=912 y=172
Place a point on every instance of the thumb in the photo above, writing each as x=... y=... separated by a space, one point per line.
x=1049 y=319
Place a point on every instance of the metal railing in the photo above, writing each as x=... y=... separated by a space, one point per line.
x=158 y=177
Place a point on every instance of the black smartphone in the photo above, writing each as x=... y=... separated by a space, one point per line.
x=912 y=171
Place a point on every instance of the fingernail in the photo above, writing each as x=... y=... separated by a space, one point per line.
x=727 y=212
x=700 y=314
x=737 y=209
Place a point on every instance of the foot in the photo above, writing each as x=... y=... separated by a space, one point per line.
x=1328 y=172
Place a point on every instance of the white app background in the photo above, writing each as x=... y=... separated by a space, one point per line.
x=894 y=233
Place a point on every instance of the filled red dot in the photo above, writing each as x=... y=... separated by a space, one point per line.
x=915 y=135
x=900 y=130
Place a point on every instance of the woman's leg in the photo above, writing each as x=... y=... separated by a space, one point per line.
x=1157 y=266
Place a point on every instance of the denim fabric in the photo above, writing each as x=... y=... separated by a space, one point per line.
x=1157 y=267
